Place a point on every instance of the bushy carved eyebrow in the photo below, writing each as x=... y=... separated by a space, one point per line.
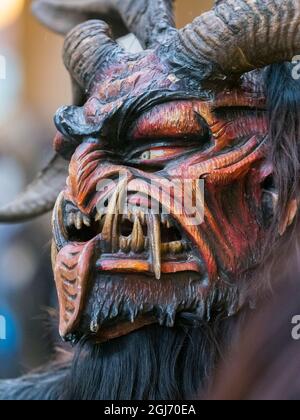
x=177 y=119
x=121 y=123
x=173 y=114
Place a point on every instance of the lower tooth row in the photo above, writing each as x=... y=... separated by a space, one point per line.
x=173 y=247
x=127 y=245
x=176 y=247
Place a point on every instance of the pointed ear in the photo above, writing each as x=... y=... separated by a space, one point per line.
x=291 y=212
x=63 y=15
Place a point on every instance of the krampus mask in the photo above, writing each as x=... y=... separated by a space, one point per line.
x=171 y=192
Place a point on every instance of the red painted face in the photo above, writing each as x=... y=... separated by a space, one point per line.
x=162 y=223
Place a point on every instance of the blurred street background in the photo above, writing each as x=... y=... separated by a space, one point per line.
x=34 y=85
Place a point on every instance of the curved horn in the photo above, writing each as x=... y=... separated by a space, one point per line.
x=90 y=44
x=149 y=20
x=86 y=48
x=40 y=196
x=240 y=35
x=63 y=15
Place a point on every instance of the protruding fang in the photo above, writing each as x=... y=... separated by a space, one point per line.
x=137 y=244
x=110 y=229
x=155 y=244
x=142 y=217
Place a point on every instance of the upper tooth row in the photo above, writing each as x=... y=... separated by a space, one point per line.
x=132 y=216
x=79 y=219
x=136 y=242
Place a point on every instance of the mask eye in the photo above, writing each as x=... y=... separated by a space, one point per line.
x=160 y=154
x=151 y=155
x=146 y=155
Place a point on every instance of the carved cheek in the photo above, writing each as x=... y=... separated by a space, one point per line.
x=89 y=166
x=72 y=271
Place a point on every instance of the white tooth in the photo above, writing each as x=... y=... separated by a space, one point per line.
x=176 y=247
x=124 y=244
x=155 y=241
x=71 y=220
x=98 y=217
x=78 y=221
x=86 y=220
x=137 y=237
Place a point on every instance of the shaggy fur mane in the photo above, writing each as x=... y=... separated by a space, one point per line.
x=155 y=363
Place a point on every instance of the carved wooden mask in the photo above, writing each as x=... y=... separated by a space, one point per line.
x=186 y=115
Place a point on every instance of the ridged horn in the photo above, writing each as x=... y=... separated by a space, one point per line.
x=40 y=196
x=238 y=36
x=87 y=47
x=90 y=44
x=149 y=20
x=62 y=16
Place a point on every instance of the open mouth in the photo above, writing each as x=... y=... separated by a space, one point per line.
x=116 y=273
x=133 y=242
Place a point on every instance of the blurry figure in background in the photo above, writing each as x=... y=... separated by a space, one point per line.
x=26 y=288
x=264 y=362
x=25 y=293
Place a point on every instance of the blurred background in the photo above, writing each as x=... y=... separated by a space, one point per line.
x=33 y=84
